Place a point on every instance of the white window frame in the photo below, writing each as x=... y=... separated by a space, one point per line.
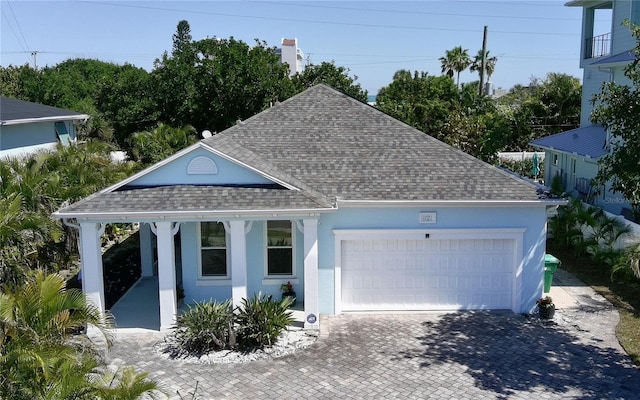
x=266 y=252
x=202 y=277
x=555 y=159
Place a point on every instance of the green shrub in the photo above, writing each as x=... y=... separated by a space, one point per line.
x=627 y=267
x=205 y=327
x=261 y=319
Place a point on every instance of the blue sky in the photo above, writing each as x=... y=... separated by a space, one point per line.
x=371 y=38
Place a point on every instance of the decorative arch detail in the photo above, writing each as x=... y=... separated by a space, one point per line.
x=202 y=166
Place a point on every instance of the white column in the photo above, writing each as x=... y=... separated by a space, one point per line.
x=166 y=275
x=91 y=259
x=146 y=249
x=238 y=262
x=311 y=306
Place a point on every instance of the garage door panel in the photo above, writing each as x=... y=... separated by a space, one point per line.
x=427 y=274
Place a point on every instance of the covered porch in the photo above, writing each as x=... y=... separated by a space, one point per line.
x=138 y=308
x=153 y=301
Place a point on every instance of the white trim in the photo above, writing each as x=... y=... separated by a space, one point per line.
x=187 y=150
x=449 y=203
x=266 y=251
x=213 y=278
x=515 y=234
x=189 y=216
x=60 y=118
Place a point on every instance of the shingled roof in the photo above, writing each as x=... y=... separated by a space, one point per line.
x=14 y=111
x=347 y=149
x=330 y=148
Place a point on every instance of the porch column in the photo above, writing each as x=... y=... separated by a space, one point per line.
x=91 y=260
x=311 y=306
x=166 y=274
x=238 y=261
x=146 y=249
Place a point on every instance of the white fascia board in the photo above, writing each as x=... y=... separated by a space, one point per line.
x=152 y=168
x=451 y=203
x=186 y=150
x=184 y=216
x=249 y=167
x=45 y=119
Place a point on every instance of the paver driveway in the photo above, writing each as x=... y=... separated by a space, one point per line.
x=465 y=355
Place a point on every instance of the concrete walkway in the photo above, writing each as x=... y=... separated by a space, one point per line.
x=462 y=355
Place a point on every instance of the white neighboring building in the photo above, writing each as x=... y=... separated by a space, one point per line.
x=291 y=54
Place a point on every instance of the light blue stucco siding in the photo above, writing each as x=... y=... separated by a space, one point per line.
x=24 y=135
x=175 y=172
x=199 y=289
x=532 y=219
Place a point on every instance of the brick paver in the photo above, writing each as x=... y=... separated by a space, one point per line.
x=462 y=355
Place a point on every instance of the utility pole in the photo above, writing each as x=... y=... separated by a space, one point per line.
x=35 y=62
x=484 y=61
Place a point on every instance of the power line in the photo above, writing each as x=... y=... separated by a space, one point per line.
x=364 y=25
x=18 y=24
x=14 y=32
x=387 y=11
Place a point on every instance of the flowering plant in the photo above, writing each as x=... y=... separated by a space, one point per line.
x=286 y=287
x=545 y=302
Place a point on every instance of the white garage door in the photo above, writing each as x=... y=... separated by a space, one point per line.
x=426 y=274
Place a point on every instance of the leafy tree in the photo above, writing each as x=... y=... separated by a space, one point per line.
x=332 y=75
x=455 y=60
x=420 y=100
x=212 y=83
x=149 y=147
x=15 y=81
x=126 y=101
x=617 y=109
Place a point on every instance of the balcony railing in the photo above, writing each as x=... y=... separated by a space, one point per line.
x=597 y=46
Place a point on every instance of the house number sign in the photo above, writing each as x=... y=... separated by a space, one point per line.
x=311 y=318
x=428 y=217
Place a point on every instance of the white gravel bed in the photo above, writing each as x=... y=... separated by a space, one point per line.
x=288 y=342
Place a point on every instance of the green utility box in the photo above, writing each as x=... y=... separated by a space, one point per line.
x=550 y=265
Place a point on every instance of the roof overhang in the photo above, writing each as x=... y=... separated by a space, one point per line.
x=451 y=203
x=190 y=216
x=45 y=119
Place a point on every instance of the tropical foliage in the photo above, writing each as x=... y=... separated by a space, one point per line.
x=455 y=61
x=41 y=358
x=32 y=189
x=213 y=326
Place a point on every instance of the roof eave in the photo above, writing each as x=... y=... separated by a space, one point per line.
x=45 y=119
x=450 y=203
x=182 y=216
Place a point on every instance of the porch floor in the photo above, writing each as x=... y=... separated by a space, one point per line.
x=139 y=307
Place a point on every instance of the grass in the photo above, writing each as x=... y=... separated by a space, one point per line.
x=624 y=295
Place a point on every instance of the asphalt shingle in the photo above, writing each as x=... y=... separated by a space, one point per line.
x=329 y=147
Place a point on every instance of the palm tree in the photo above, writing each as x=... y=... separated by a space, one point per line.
x=489 y=64
x=456 y=60
x=38 y=359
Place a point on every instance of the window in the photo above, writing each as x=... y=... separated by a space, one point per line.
x=555 y=159
x=213 y=250
x=279 y=248
x=62 y=133
x=573 y=166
